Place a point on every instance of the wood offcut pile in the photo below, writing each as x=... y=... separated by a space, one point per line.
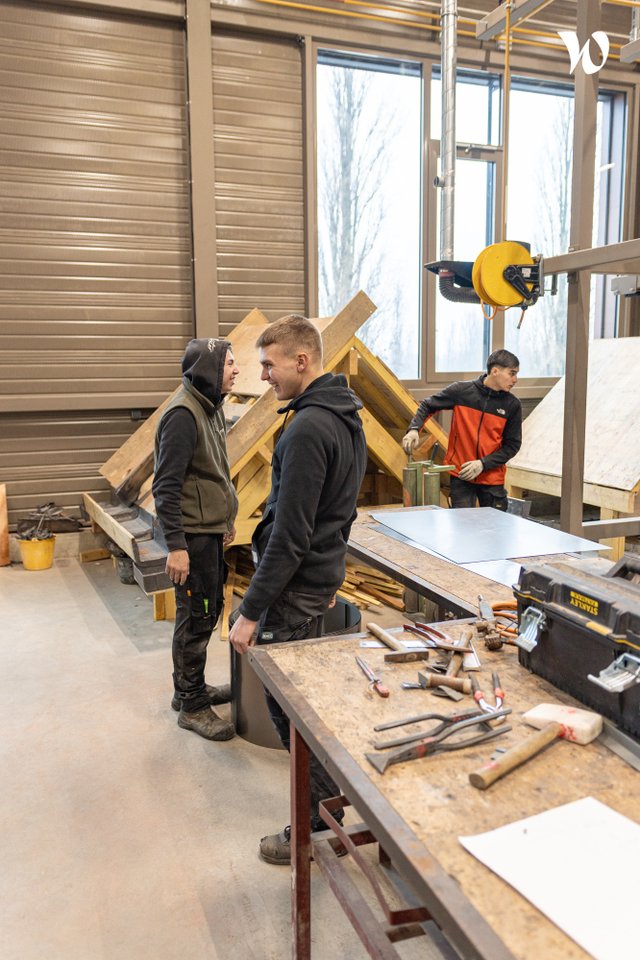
x=363 y=586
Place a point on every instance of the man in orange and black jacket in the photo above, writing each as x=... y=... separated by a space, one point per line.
x=486 y=431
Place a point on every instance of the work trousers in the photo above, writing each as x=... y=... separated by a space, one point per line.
x=198 y=606
x=465 y=494
x=298 y=616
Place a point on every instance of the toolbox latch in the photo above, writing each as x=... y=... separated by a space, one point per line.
x=532 y=623
x=620 y=675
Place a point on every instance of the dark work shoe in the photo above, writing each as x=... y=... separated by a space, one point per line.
x=217 y=695
x=206 y=723
x=276 y=848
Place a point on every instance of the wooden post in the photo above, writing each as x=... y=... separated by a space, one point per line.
x=617 y=544
x=164 y=604
x=5 y=558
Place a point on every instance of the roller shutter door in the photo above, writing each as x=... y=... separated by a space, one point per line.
x=95 y=237
x=95 y=279
x=259 y=171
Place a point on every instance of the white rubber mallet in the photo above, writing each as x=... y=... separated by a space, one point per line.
x=554 y=722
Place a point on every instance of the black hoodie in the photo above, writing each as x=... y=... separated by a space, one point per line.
x=317 y=469
x=192 y=485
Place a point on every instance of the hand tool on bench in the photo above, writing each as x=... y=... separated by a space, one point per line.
x=479 y=697
x=432 y=641
x=435 y=743
x=400 y=653
x=554 y=721
x=427 y=681
x=456 y=663
x=445 y=721
x=374 y=681
x=487 y=627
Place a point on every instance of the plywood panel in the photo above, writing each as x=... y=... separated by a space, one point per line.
x=612 y=457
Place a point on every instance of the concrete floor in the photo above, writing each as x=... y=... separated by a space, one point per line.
x=125 y=837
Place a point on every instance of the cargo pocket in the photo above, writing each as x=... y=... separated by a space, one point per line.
x=203 y=608
x=298 y=631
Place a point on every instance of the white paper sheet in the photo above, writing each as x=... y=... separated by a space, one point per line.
x=578 y=864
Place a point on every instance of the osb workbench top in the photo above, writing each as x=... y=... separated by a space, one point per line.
x=326 y=695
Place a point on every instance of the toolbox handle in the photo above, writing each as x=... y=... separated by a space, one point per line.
x=627 y=568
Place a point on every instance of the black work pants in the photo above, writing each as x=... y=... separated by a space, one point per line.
x=198 y=606
x=465 y=494
x=298 y=616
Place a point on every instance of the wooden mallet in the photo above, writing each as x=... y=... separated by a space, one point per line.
x=554 y=721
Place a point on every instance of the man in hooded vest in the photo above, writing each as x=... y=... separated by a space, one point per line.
x=196 y=505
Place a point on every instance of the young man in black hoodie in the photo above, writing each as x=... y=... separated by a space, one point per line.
x=486 y=431
x=196 y=505
x=300 y=544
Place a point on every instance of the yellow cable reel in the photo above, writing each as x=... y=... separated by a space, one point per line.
x=488 y=269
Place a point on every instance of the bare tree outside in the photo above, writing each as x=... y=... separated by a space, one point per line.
x=358 y=132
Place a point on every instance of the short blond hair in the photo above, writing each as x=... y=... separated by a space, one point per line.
x=293 y=333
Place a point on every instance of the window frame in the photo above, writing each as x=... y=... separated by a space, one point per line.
x=432 y=380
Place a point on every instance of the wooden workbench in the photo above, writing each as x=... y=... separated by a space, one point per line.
x=418 y=809
x=446 y=583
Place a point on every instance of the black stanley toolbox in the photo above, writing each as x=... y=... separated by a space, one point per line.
x=581 y=631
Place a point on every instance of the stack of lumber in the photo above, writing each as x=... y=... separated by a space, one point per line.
x=253 y=425
x=363 y=586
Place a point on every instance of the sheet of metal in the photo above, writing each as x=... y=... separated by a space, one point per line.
x=472 y=535
x=500 y=571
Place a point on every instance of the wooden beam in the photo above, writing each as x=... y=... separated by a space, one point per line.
x=111 y=527
x=615 y=544
x=387 y=384
x=621 y=500
x=244 y=531
x=254 y=493
x=382 y=447
x=164 y=604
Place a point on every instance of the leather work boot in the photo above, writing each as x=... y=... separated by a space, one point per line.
x=207 y=724
x=217 y=695
x=276 y=848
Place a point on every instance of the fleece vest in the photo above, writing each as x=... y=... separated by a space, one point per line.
x=209 y=502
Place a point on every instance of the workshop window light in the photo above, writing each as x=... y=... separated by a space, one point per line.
x=539 y=211
x=369 y=170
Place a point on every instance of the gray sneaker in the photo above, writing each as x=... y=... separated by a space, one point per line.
x=217 y=695
x=276 y=848
x=206 y=723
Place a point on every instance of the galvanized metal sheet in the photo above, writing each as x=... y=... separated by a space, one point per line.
x=505 y=572
x=473 y=535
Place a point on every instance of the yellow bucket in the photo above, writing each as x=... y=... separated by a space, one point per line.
x=37 y=554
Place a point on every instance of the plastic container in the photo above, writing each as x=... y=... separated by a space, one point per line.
x=37 y=554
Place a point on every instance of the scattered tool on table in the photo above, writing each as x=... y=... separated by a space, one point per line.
x=445 y=721
x=435 y=743
x=374 y=681
x=554 y=722
x=400 y=653
x=487 y=627
x=428 y=680
x=479 y=696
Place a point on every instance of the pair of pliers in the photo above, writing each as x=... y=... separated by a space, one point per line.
x=434 y=744
x=445 y=721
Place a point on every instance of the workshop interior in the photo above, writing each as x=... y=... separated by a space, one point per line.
x=449 y=191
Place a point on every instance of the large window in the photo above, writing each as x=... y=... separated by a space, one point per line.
x=369 y=152
x=539 y=211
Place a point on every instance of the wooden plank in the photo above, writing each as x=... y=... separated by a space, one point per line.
x=111 y=527
x=88 y=556
x=254 y=493
x=523 y=479
x=338 y=330
x=615 y=544
x=243 y=340
x=383 y=448
x=135 y=450
x=244 y=531
x=5 y=558
x=164 y=604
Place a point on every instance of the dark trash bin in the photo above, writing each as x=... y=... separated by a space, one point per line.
x=248 y=707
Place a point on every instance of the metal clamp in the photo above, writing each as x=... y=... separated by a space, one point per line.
x=620 y=675
x=532 y=624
